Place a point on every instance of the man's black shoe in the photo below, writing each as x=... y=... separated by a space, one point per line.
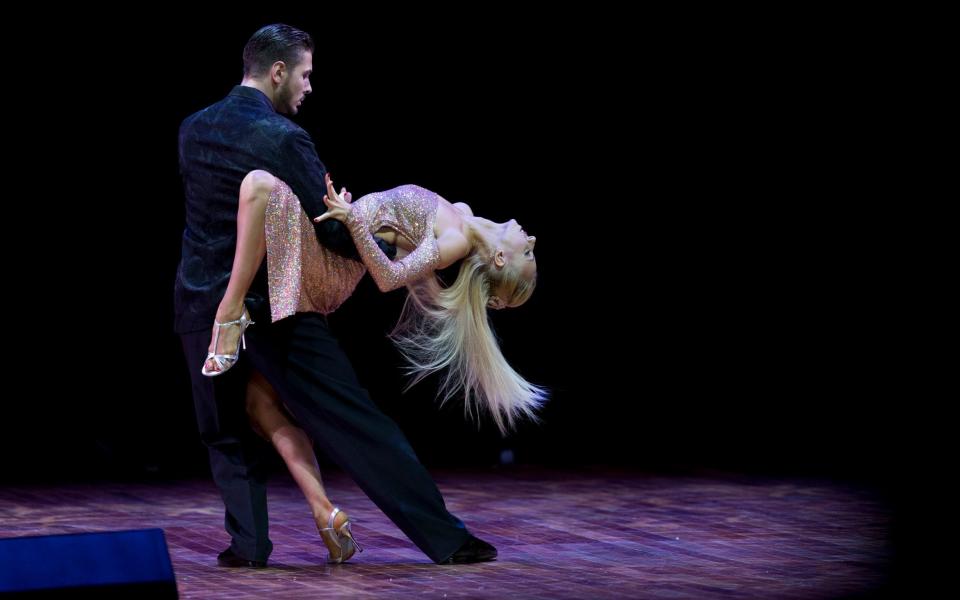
x=228 y=558
x=472 y=551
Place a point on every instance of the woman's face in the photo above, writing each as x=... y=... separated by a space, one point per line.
x=517 y=248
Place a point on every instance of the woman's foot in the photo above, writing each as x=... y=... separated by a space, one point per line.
x=337 y=537
x=225 y=342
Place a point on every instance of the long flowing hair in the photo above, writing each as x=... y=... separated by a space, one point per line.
x=447 y=329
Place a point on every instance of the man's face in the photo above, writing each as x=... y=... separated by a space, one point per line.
x=295 y=85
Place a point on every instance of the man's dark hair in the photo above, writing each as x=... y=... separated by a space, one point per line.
x=272 y=43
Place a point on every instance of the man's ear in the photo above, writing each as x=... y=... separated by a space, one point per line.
x=277 y=71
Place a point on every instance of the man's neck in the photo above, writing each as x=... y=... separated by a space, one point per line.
x=257 y=84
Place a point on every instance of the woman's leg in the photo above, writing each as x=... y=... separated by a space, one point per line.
x=251 y=248
x=270 y=420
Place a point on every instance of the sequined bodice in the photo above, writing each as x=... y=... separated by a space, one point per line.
x=411 y=211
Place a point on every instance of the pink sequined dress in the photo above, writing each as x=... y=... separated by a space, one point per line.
x=304 y=276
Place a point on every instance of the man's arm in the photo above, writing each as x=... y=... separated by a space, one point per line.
x=304 y=174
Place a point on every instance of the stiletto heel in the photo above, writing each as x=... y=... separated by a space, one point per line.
x=339 y=541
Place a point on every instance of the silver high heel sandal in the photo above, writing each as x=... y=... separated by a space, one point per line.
x=225 y=361
x=341 y=539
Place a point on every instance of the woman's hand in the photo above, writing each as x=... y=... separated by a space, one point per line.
x=338 y=205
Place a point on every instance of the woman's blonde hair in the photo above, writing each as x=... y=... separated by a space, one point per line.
x=447 y=328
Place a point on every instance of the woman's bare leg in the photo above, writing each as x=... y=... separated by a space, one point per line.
x=296 y=449
x=251 y=248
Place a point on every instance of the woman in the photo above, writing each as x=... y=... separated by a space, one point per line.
x=441 y=328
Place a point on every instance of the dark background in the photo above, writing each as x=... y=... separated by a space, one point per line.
x=705 y=300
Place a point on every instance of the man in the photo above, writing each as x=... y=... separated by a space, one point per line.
x=298 y=356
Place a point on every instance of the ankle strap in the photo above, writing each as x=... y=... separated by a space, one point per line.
x=243 y=319
x=333 y=516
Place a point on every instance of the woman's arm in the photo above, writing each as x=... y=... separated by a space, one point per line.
x=387 y=274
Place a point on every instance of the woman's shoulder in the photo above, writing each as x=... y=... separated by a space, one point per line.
x=464 y=208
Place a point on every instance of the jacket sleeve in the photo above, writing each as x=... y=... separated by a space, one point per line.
x=305 y=176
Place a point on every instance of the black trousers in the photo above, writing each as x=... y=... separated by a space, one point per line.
x=303 y=361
